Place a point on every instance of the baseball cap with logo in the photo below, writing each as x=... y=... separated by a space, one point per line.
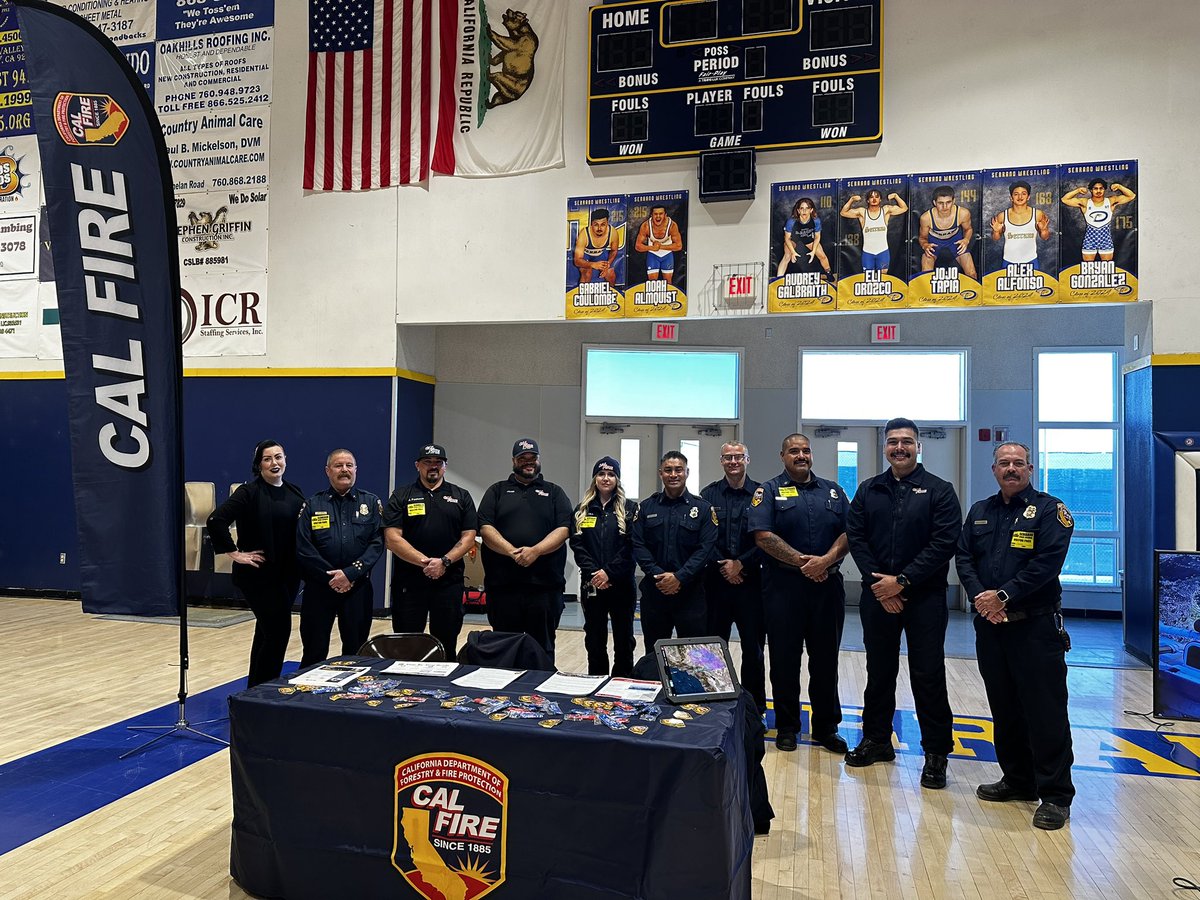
x=434 y=451
x=525 y=445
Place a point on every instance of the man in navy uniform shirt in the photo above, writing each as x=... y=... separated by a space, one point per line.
x=673 y=539
x=339 y=538
x=903 y=526
x=1010 y=553
x=525 y=522
x=732 y=580
x=799 y=522
x=430 y=526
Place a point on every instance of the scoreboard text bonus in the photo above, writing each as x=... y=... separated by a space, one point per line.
x=677 y=77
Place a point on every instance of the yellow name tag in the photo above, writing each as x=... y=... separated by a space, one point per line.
x=1022 y=540
x=587 y=522
x=319 y=521
x=416 y=509
x=788 y=491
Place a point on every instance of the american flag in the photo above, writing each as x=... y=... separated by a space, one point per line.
x=368 y=121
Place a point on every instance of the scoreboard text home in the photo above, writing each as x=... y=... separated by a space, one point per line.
x=679 y=77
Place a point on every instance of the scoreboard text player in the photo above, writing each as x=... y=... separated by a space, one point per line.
x=679 y=77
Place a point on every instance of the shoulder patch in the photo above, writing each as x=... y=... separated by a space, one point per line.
x=713 y=510
x=1064 y=516
x=757 y=499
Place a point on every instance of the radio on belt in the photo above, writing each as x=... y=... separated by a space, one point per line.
x=672 y=78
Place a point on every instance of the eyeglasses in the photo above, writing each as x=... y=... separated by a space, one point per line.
x=732 y=457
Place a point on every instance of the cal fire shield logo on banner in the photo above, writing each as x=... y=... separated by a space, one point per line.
x=451 y=826
x=95 y=119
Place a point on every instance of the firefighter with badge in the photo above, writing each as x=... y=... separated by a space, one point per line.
x=799 y=522
x=674 y=536
x=339 y=538
x=1010 y=554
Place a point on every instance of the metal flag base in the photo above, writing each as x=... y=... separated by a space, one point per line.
x=181 y=726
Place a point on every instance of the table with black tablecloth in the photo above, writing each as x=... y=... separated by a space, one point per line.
x=328 y=792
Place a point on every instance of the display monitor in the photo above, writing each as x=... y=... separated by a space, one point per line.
x=1177 y=645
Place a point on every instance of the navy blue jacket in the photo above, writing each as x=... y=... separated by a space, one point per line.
x=600 y=545
x=339 y=532
x=674 y=536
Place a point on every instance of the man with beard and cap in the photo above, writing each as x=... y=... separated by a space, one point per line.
x=525 y=522
x=1011 y=551
x=732 y=580
x=903 y=527
x=673 y=539
x=429 y=526
x=339 y=538
x=799 y=522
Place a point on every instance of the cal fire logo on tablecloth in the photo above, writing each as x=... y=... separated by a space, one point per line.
x=451 y=826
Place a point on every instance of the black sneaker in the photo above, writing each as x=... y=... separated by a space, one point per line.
x=1051 y=816
x=832 y=742
x=934 y=773
x=785 y=742
x=869 y=752
x=1002 y=792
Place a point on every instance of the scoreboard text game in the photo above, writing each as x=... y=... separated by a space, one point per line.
x=678 y=77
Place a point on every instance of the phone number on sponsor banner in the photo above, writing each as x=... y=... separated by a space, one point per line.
x=10 y=246
x=238 y=181
x=237 y=91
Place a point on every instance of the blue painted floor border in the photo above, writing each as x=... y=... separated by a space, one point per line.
x=47 y=789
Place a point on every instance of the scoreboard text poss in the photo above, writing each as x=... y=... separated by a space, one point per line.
x=677 y=77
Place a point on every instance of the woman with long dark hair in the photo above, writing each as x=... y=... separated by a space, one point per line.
x=600 y=540
x=265 y=511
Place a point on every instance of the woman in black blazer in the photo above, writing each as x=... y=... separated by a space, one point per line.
x=265 y=511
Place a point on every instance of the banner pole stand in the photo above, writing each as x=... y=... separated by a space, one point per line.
x=181 y=727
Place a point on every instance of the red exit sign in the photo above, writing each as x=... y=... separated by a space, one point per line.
x=665 y=331
x=885 y=334
x=739 y=286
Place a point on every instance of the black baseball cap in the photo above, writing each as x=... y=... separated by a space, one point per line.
x=525 y=445
x=432 y=451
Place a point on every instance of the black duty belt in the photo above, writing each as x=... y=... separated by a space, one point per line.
x=1016 y=615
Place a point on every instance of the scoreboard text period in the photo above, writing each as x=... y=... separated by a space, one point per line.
x=678 y=77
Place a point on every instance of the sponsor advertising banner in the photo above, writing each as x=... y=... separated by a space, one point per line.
x=109 y=202
x=804 y=230
x=224 y=314
x=18 y=318
x=218 y=151
x=19 y=249
x=222 y=232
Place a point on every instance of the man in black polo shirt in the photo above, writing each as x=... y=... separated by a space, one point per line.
x=799 y=522
x=903 y=527
x=732 y=580
x=430 y=526
x=525 y=522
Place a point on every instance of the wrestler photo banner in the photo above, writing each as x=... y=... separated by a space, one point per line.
x=873 y=245
x=110 y=207
x=1015 y=236
x=657 y=265
x=944 y=247
x=1099 y=250
x=596 y=257
x=1020 y=255
x=804 y=229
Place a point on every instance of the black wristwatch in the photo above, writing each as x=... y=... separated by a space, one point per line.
x=446 y=561
x=903 y=581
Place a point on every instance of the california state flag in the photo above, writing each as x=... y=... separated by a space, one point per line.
x=501 y=102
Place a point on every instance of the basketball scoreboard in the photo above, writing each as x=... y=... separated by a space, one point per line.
x=681 y=77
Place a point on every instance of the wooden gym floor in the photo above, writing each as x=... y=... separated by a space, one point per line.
x=838 y=833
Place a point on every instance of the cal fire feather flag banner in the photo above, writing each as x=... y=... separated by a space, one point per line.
x=501 y=104
x=110 y=204
x=369 y=116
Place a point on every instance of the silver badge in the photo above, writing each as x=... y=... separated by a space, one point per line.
x=1030 y=511
x=363 y=510
x=695 y=512
x=833 y=493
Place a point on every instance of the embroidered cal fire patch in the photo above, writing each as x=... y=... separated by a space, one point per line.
x=451 y=825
